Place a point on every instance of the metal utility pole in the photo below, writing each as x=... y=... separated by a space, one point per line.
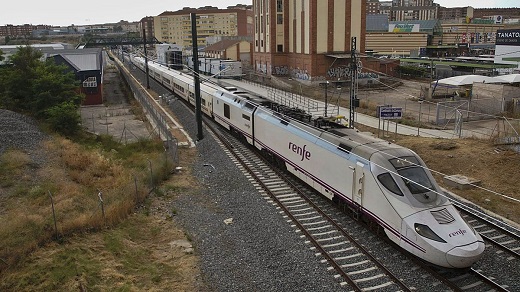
x=198 y=111
x=353 y=83
x=146 y=61
x=326 y=98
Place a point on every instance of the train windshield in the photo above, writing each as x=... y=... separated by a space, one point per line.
x=415 y=178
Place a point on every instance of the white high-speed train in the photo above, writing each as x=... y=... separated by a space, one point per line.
x=384 y=182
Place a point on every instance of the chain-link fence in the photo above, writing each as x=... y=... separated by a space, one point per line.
x=156 y=117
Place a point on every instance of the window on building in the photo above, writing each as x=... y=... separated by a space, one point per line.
x=279 y=48
x=279 y=6
x=279 y=18
x=90 y=82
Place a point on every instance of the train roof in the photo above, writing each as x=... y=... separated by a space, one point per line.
x=361 y=144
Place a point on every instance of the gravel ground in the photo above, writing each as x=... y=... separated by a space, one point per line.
x=259 y=251
x=19 y=132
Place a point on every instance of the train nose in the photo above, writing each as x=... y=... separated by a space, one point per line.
x=464 y=256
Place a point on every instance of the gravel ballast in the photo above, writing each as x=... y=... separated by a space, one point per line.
x=259 y=250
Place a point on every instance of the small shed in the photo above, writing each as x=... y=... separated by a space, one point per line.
x=87 y=66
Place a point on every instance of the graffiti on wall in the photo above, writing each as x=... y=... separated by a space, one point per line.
x=281 y=70
x=301 y=74
x=261 y=68
x=344 y=72
x=338 y=72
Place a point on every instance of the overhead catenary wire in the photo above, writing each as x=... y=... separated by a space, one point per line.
x=397 y=174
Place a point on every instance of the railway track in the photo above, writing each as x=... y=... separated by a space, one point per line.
x=322 y=224
x=502 y=248
x=352 y=263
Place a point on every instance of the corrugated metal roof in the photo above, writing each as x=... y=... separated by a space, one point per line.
x=81 y=60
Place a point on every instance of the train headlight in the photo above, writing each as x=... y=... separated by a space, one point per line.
x=425 y=231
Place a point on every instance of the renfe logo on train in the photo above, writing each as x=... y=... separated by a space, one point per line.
x=458 y=232
x=300 y=151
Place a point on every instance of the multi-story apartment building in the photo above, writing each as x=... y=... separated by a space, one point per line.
x=21 y=30
x=128 y=27
x=505 y=13
x=146 y=24
x=455 y=13
x=403 y=10
x=175 y=27
x=385 y=7
x=373 y=6
x=306 y=39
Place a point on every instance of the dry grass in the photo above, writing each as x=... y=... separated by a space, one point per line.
x=133 y=255
x=74 y=175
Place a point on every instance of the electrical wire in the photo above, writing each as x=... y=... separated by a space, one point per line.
x=392 y=157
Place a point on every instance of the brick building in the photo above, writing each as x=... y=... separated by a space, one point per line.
x=147 y=24
x=373 y=6
x=403 y=10
x=306 y=39
x=505 y=13
x=21 y=30
x=175 y=27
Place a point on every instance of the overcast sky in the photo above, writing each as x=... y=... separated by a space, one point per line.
x=66 y=12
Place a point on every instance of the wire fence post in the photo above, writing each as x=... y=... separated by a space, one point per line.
x=54 y=215
x=106 y=119
x=100 y=196
x=136 y=192
x=151 y=175
x=93 y=127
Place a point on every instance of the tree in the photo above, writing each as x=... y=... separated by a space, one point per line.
x=64 y=118
x=17 y=81
x=41 y=89
x=53 y=87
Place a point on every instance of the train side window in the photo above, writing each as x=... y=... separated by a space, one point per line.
x=344 y=148
x=226 y=111
x=388 y=182
x=246 y=117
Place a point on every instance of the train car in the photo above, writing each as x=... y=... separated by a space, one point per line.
x=384 y=182
x=179 y=83
x=381 y=181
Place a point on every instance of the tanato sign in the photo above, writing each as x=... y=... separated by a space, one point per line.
x=510 y=37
